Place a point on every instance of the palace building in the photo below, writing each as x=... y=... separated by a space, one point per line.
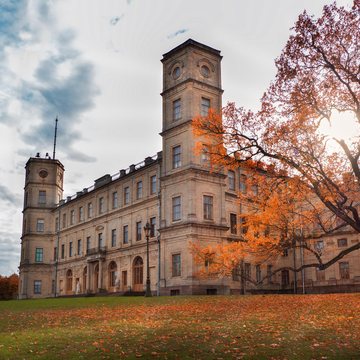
x=94 y=241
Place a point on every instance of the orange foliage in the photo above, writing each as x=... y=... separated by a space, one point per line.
x=8 y=286
x=298 y=186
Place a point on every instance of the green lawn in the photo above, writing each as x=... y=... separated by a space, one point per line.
x=197 y=327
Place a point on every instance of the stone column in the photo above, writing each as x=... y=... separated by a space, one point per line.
x=100 y=284
x=88 y=278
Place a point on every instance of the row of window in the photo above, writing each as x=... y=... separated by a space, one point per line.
x=285 y=275
x=125 y=240
x=205 y=106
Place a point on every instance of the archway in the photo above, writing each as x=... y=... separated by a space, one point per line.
x=138 y=274
x=69 y=282
x=112 y=276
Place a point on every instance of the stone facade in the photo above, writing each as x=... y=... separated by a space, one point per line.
x=94 y=241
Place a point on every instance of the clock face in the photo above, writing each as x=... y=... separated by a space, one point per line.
x=43 y=174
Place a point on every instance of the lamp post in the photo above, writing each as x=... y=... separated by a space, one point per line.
x=147 y=229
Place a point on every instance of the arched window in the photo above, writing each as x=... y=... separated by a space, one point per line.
x=69 y=278
x=112 y=276
x=138 y=274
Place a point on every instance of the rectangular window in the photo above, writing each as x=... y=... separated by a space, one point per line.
x=126 y=195
x=126 y=234
x=285 y=253
x=153 y=185
x=177 y=109
x=258 y=273
x=176 y=260
x=101 y=205
x=231 y=177
x=175 y=292
x=90 y=210
x=113 y=237
x=285 y=277
x=208 y=206
x=114 y=200
x=79 y=247
x=64 y=220
x=71 y=249
x=40 y=225
x=62 y=251
x=55 y=251
x=320 y=275
x=177 y=208
x=72 y=216
x=56 y=224
x=100 y=241
x=152 y=227
x=177 y=157
x=247 y=270
x=269 y=271
x=139 y=190
x=244 y=227
x=42 y=197
x=344 y=270
x=37 y=287
x=233 y=224
x=342 y=242
x=88 y=244
x=138 y=231
x=319 y=245
x=39 y=255
x=205 y=106
x=81 y=216
x=235 y=274
x=243 y=183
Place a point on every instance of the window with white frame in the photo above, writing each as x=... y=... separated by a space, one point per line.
x=139 y=190
x=208 y=207
x=39 y=255
x=40 y=225
x=177 y=157
x=177 y=208
x=153 y=184
x=177 y=109
x=231 y=177
x=205 y=106
x=115 y=200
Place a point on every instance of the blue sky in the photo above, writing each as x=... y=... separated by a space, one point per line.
x=96 y=64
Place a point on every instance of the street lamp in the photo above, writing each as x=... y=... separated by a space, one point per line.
x=147 y=229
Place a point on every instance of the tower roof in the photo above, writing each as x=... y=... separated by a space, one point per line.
x=190 y=42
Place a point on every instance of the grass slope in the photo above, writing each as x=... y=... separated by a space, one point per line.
x=197 y=327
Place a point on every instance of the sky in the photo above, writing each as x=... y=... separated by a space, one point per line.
x=96 y=65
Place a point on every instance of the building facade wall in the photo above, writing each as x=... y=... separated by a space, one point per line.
x=191 y=82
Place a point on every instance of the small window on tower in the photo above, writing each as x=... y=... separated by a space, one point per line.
x=205 y=106
x=42 y=197
x=177 y=109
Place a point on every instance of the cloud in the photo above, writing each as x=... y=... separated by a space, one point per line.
x=177 y=33
x=10 y=252
x=62 y=82
x=116 y=20
x=7 y=195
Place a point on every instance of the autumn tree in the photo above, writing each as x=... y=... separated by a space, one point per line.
x=8 y=286
x=301 y=184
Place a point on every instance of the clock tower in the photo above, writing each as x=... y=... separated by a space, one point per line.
x=43 y=191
